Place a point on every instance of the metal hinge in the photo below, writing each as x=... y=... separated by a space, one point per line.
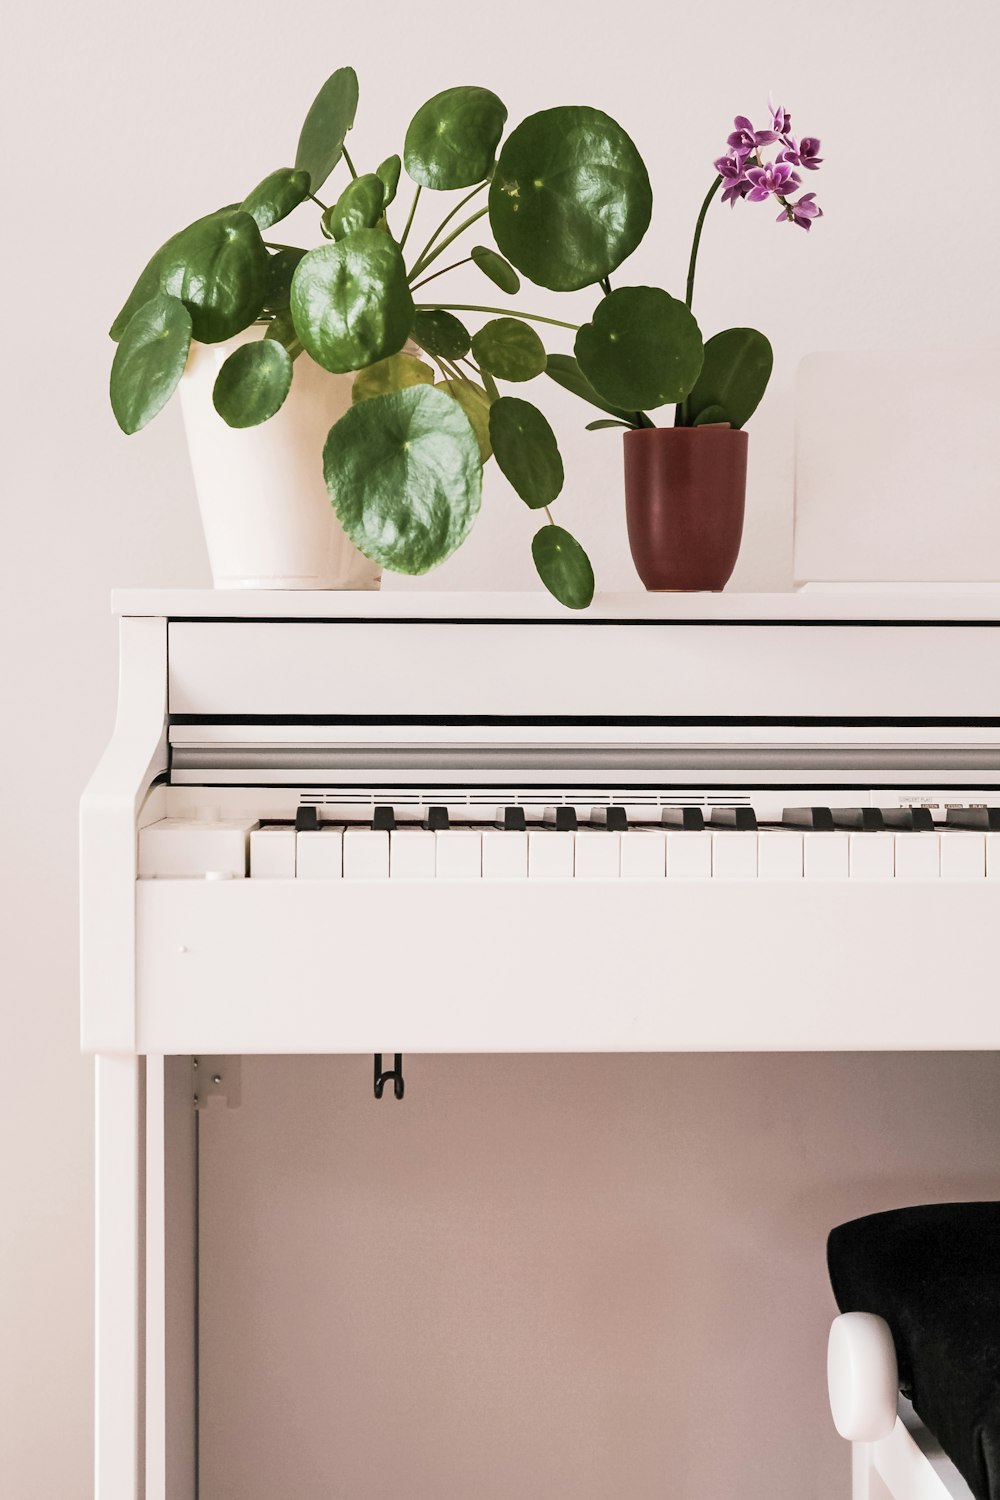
x=216 y=1078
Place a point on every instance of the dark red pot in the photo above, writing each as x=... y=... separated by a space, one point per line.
x=684 y=493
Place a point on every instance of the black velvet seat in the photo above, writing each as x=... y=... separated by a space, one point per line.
x=933 y=1274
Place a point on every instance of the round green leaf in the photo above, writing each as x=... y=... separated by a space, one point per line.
x=389 y=171
x=509 y=349
x=275 y=197
x=330 y=117
x=149 y=361
x=253 y=383
x=351 y=303
x=734 y=377
x=712 y=416
x=393 y=374
x=563 y=567
x=476 y=404
x=641 y=349
x=500 y=271
x=278 y=278
x=441 y=334
x=526 y=450
x=405 y=478
x=564 y=370
x=358 y=207
x=282 y=328
x=570 y=197
x=452 y=139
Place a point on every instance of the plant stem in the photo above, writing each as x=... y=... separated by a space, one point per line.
x=454 y=265
x=507 y=312
x=428 y=257
x=444 y=224
x=350 y=164
x=681 y=409
x=549 y=514
x=318 y=204
x=273 y=245
x=413 y=209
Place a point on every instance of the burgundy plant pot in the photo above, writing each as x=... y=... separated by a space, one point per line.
x=684 y=494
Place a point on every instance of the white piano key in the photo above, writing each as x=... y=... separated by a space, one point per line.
x=734 y=855
x=779 y=854
x=918 y=856
x=550 y=854
x=597 y=855
x=872 y=856
x=963 y=856
x=643 y=854
x=319 y=853
x=992 y=856
x=366 y=854
x=412 y=854
x=505 y=854
x=825 y=856
x=191 y=847
x=459 y=854
x=689 y=855
x=272 y=854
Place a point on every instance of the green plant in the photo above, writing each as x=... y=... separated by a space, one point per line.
x=568 y=199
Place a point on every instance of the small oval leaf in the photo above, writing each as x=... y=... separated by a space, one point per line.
x=476 y=404
x=604 y=422
x=393 y=374
x=441 y=334
x=358 y=207
x=711 y=416
x=641 y=349
x=253 y=383
x=388 y=172
x=331 y=116
x=405 y=478
x=451 y=141
x=563 y=567
x=570 y=197
x=526 y=450
x=351 y=303
x=278 y=279
x=273 y=199
x=733 y=378
x=500 y=271
x=149 y=361
x=509 y=349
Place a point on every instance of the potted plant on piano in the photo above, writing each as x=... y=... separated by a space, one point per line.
x=384 y=404
x=643 y=350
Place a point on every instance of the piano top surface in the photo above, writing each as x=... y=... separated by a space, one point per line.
x=871 y=603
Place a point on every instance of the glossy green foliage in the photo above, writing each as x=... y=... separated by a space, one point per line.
x=605 y=422
x=282 y=328
x=570 y=197
x=351 y=302
x=733 y=378
x=509 y=349
x=331 y=116
x=710 y=416
x=563 y=566
x=476 y=404
x=278 y=279
x=641 y=349
x=388 y=173
x=442 y=334
x=500 y=271
x=526 y=450
x=149 y=361
x=273 y=199
x=405 y=477
x=359 y=206
x=393 y=374
x=565 y=371
x=253 y=383
x=217 y=267
x=451 y=141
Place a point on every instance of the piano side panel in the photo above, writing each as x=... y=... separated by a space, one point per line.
x=284 y=967
x=526 y=669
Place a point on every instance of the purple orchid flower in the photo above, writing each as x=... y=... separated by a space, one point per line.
x=802 y=153
x=744 y=138
x=803 y=212
x=732 y=170
x=777 y=178
x=780 y=118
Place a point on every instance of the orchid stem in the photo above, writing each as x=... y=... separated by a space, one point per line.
x=681 y=410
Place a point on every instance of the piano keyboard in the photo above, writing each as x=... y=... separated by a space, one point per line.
x=567 y=843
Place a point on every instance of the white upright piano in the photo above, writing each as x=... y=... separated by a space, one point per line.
x=407 y=773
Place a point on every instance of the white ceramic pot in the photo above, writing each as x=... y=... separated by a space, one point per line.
x=264 y=506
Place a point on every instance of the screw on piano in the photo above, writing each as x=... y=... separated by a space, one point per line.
x=393 y=1074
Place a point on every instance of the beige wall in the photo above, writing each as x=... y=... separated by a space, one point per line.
x=120 y=122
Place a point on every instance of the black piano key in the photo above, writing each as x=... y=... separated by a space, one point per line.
x=437 y=818
x=306 y=818
x=513 y=820
x=562 y=819
x=691 y=819
x=742 y=818
x=867 y=819
x=979 y=819
x=614 y=819
x=819 y=819
x=909 y=819
x=384 y=819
